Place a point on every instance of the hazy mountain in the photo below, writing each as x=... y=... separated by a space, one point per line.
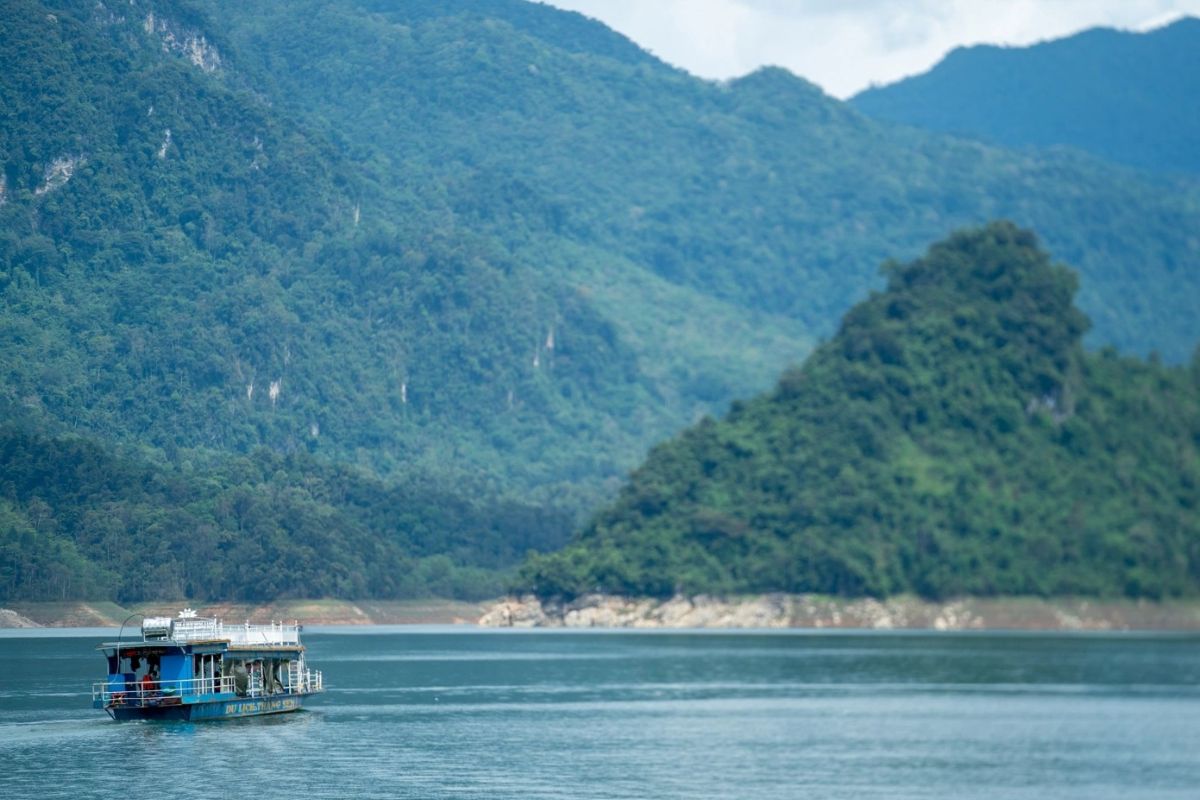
x=953 y=438
x=1130 y=97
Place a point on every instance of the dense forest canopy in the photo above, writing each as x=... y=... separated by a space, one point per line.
x=953 y=438
x=80 y=521
x=464 y=255
x=760 y=192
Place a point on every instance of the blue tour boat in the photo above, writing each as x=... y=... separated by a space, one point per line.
x=191 y=668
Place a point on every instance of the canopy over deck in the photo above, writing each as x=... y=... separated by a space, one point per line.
x=187 y=628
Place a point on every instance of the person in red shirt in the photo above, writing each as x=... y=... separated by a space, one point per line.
x=149 y=682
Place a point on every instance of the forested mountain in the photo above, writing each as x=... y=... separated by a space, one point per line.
x=1130 y=97
x=183 y=265
x=953 y=438
x=78 y=520
x=587 y=160
x=480 y=252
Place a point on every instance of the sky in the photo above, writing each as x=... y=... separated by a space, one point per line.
x=844 y=46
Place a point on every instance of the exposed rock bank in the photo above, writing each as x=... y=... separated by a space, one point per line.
x=816 y=611
x=11 y=619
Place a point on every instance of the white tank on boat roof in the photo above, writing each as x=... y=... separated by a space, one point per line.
x=156 y=628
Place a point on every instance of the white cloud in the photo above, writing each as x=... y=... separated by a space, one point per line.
x=845 y=45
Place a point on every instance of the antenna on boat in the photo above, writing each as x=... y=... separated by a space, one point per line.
x=121 y=633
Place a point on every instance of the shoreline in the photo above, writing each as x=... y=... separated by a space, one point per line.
x=608 y=611
x=825 y=612
x=105 y=614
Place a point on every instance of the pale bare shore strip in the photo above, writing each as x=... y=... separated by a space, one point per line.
x=606 y=611
x=309 y=612
x=816 y=611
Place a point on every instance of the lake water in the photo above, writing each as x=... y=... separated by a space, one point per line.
x=453 y=712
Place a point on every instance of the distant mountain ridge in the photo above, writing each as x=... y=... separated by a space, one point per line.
x=1130 y=97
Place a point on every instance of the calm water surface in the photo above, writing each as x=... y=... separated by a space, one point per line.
x=452 y=712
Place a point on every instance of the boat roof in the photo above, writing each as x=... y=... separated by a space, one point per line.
x=217 y=644
x=189 y=630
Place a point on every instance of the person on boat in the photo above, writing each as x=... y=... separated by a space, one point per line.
x=149 y=682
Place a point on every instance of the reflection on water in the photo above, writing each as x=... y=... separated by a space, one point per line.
x=453 y=712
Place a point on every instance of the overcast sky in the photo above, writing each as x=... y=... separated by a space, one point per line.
x=845 y=45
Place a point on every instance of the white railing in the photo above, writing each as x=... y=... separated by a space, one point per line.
x=135 y=693
x=310 y=681
x=139 y=693
x=197 y=629
x=304 y=680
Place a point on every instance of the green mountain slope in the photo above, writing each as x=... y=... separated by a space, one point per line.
x=762 y=192
x=408 y=220
x=184 y=266
x=1130 y=97
x=953 y=438
x=80 y=520
x=488 y=249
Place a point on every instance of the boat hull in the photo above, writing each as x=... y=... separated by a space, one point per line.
x=229 y=708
